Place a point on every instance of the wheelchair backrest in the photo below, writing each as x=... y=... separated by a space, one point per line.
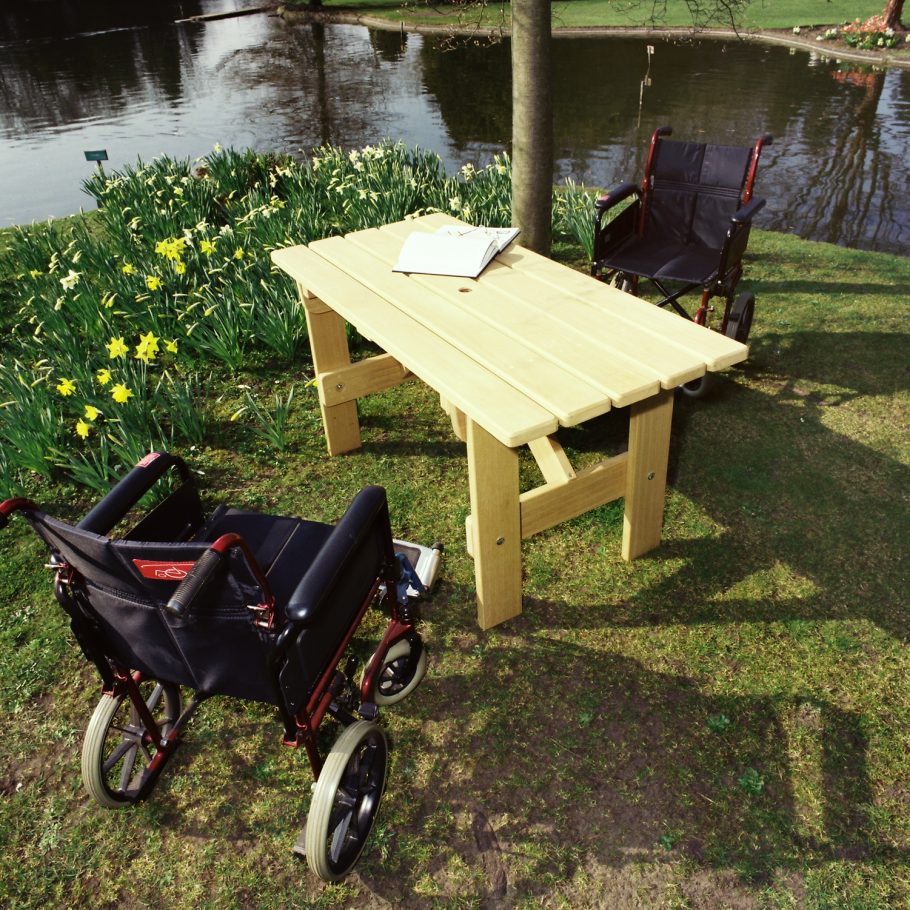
x=121 y=588
x=693 y=190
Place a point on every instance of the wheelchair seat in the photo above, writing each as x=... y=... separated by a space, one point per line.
x=688 y=224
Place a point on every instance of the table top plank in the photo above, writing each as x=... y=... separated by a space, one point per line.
x=535 y=308
x=570 y=398
x=717 y=351
x=515 y=321
x=506 y=413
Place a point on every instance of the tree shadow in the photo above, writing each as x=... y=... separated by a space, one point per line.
x=771 y=463
x=595 y=762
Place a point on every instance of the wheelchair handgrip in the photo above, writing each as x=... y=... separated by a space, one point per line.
x=11 y=505
x=129 y=490
x=205 y=570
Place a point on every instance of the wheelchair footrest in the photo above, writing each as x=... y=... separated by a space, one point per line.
x=424 y=561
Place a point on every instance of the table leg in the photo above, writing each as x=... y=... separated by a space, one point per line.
x=329 y=346
x=646 y=475
x=459 y=425
x=495 y=526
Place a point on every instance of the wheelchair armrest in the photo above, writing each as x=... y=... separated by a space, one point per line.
x=367 y=515
x=748 y=211
x=129 y=490
x=615 y=196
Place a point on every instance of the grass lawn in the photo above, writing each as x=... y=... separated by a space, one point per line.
x=773 y=14
x=722 y=723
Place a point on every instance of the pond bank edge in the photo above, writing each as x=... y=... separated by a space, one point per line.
x=350 y=17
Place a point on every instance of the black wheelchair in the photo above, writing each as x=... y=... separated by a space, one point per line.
x=686 y=226
x=247 y=605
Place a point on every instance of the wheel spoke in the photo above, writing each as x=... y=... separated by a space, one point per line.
x=116 y=755
x=340 y=836
x=126 y=773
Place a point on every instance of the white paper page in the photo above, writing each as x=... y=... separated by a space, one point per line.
x=501 y=236
x=444 y=254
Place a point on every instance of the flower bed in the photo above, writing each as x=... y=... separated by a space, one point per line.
x=120 y=321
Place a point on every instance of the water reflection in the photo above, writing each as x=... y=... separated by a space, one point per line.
x=102 y=74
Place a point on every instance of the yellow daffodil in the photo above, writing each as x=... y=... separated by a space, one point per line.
x=92 y=413
x=171 y=249
x=152 y=282
x=147 y=347
x=116 y=347
x=207 y=247
x=82 y=429
x=171 y=346
x=103 y=377
x=238 y=253
x=66 y=387
x=36 y=273
x=121 y=394
x=180 y=268
x=128 y=268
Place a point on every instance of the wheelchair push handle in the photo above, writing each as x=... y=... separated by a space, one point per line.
x=205 y=570
x=130 y=489
x=13 y=505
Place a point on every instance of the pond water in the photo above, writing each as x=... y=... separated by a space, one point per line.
x=92 y=74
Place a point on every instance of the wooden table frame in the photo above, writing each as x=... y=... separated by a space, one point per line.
x=501 y=515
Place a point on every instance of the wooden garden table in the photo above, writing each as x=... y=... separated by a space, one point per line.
x=527 y=347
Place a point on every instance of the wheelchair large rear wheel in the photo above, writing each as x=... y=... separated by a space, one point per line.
x=118 y=748
x=346 y=799
x=397 y=678
x=739 y=322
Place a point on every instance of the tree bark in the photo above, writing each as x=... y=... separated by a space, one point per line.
x=532 y=123
x=892 y=14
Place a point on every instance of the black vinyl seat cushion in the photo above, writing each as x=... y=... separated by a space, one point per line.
x=284 y=548
x=662 y=259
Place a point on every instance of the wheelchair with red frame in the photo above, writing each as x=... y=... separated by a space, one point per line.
x=686 y=228
x=246 y=605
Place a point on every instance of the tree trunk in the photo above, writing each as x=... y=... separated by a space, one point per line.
x=892 y=14
x=532 y=123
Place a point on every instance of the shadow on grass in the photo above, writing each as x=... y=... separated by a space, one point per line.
x=775 y=463
x=594 y=763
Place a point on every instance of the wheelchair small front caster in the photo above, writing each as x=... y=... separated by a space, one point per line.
x=396 y=678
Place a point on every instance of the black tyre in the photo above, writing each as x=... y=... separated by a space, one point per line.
x=698 y=388
x=346 y=799
x=739 y=321
x=118 y=748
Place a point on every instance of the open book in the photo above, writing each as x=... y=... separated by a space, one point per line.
x=454 y=249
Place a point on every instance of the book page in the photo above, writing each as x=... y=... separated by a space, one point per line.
x=462 y=255
x=501 y=236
